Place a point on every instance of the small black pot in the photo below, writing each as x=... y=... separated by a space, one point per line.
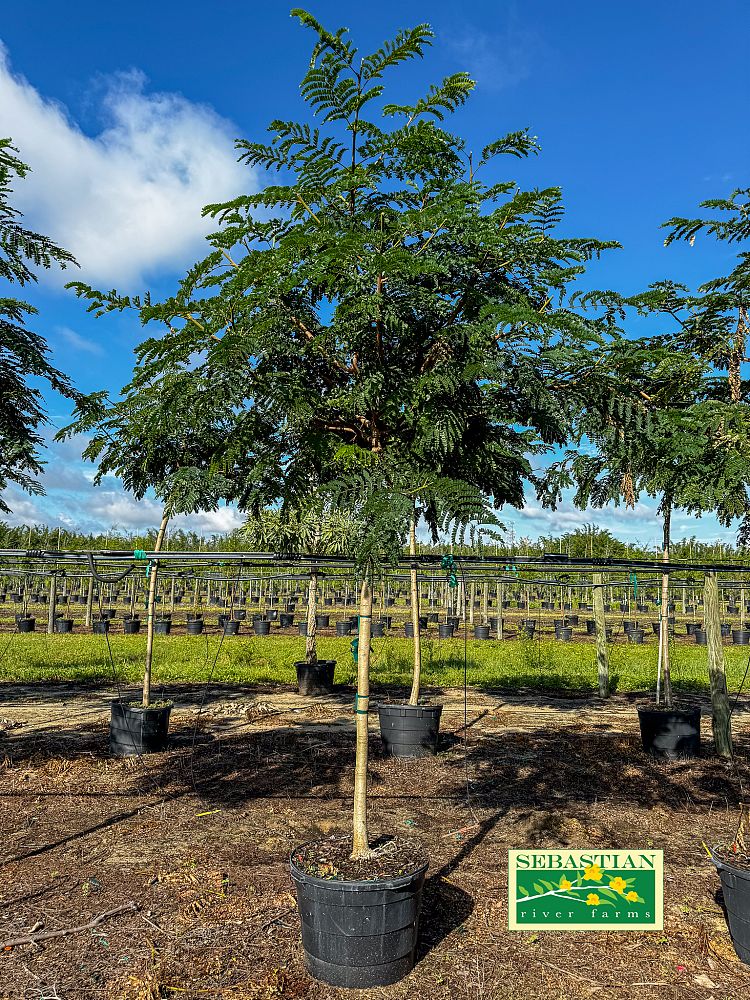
x=362 y=934
x=410 y=730
x=343 y=628
x=444 y=632
x=699 y=635
x=636 y=635
x=481 y=631
x=64 y=625
x=100 y=627
x=432 y=618
x=735 y=888
x=194 y=626
x=232 y=627
x=132 y=626
x=302 y=628
x=315 y=678
x=564 y=633
x=135 y=730
x=672 y=734
x=453 y=620
x=162 y=626
x=26 y=624
x=322 y=621
x=286 y=619
x=377 y=630
x=741 y=637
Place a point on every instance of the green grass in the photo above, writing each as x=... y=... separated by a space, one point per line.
x=251 y=660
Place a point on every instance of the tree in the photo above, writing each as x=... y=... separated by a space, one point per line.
x=159 y=436
x=24 y=354
x=313 y=530
x=393 y=315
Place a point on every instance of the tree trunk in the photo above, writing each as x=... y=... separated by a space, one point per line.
x=721 y=720
x=89 y=602
x=664 y=625
x=414 y=587
x=311 y=655
x=150 y=613
x=600 y=625
x=360 y=840
x=52 y=603
x=736 y=354
x=500 y=596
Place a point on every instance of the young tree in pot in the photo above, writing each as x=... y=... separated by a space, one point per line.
x=314 y=530
x=158 y=437
x=382 y=311
x=639 y=435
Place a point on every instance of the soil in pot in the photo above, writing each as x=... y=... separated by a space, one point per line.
x=360 y=919
x=134 y=729
x=315 y=678
x=670 y=733
x=734 y=872
x=410 y=730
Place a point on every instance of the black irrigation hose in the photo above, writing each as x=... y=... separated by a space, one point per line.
x=106 y=579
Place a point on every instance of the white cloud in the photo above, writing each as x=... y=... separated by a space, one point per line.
x=77 y=342
x=126 y=201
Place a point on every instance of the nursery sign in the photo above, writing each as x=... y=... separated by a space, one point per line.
x=585 y=890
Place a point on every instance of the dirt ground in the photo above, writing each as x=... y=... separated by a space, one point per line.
x=197 y=839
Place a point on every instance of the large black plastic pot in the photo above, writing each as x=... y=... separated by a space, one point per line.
x=64 y=625
x=444 y=632
x=26 y=624
x=302 y=628
x=735 y=887
x=100 y=627
x=377 y=630
x=315 y=678
x=741 y=637
x=636 y=635
x=286 y=619
x=671 y=734
x=233 y=627
x=699 y=635
x=343 y=628
x=136 y=730
x=564 y=633
x=410 y=730
x=194 y=626
x=481 y=631
x=162 y=626
x=132 y=626
x=322 y=621
x=362 y=934
x=590 y=626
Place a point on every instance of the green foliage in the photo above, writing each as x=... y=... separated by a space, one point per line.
x=23 y=354
x=387 y=326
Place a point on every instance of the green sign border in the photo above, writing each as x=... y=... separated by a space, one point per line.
x=656 y=924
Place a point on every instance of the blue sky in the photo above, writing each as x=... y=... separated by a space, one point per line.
x=640 y=108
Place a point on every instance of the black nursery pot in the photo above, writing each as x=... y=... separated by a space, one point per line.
x=410 y=730
x=322 y=621
x=286 y=619
x=377 y=630
x=481 y=631
x=64 y=625
x=360 y=934
x=635 y=635
x=315 y=678
x=137 y=730
x=194 y=626
x=100 y=627
x=132 y=626
x=741 y=637
x=232 y=627
x=735 y=887
x=444 y=632
x=26 y=624
x=343 y=628
x=162 y=626
x=671 y=734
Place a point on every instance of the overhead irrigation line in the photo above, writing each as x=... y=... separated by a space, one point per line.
x=506 y=565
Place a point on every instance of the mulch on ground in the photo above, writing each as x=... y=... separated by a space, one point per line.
x=199 y=837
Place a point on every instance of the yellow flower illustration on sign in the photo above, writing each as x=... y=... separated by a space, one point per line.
x=618 y=884
x=592 y=899
x=632 y=897
x=592 y=873
x=565 y=884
